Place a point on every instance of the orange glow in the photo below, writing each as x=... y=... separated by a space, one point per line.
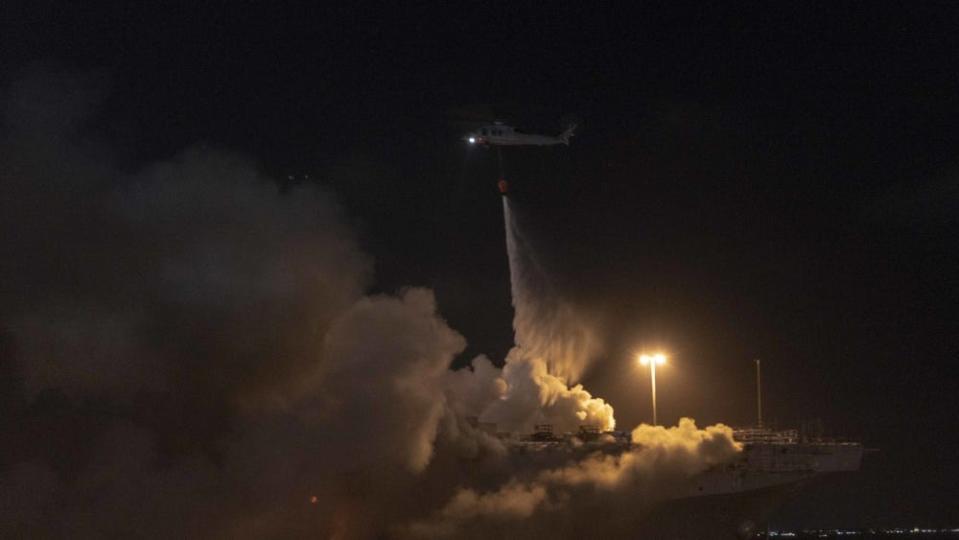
x=658 y=358
x=314 y=499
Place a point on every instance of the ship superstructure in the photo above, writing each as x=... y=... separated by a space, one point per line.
x=730 y=500
x=769 y=457
x=772 y=458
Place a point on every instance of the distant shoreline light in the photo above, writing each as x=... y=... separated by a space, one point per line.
x=865 y=532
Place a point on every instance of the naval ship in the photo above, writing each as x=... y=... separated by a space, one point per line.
x=731 y=500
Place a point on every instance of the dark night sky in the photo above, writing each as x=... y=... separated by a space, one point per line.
x=779 y=182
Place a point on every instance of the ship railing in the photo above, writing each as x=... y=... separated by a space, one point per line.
x=762 y=435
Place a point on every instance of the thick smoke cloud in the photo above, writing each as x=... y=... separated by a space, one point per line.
x=409 y=350
x=535 y=396
x=186 y=351
x=658 y=467
x=190 y=348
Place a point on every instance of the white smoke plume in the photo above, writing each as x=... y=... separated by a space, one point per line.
x=658 y=467
x=553 y=347
x=546 y=327
x=534 y=396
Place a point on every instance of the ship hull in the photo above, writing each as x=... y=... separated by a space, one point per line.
x=737 y=515
x=733 y=516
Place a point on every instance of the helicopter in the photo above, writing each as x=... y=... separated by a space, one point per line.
x=501 y=134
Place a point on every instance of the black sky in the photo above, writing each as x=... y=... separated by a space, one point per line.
x=776 y=182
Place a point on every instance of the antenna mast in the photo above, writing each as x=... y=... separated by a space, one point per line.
x=759 y=396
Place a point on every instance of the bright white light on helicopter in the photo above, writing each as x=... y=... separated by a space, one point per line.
x=472 y=140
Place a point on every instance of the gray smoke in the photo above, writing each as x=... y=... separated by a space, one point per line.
x=185 y=351
x=190 y=350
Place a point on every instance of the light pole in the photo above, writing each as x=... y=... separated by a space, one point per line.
x=651 y=361
x=759 y=398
